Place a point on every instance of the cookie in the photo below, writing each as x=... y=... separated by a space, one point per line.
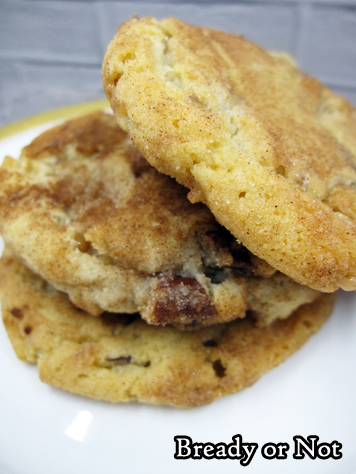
x=85 y=211
x=268 y=149
x=121 y=358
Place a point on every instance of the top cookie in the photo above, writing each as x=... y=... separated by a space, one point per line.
x=270 y=151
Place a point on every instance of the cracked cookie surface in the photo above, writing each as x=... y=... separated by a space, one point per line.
x=121 y=358
x=268 y=149
x=84 y=210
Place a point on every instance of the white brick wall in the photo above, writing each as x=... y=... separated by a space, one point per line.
x=51 y=50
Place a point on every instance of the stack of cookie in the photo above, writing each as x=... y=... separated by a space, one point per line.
x=124 y=283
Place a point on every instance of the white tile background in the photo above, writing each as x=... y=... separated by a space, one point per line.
x=51 y=50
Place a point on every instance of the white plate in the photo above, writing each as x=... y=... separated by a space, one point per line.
x=46 y=431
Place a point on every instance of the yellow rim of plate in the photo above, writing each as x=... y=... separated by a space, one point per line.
x=68 y=112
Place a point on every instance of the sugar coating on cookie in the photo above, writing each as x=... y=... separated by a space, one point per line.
x=121 y=358
x=268 y=149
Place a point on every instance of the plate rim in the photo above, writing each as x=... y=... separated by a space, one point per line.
x=69 y=111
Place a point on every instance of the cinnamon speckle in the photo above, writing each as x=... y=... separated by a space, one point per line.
x=28 y=330
x=17 y=313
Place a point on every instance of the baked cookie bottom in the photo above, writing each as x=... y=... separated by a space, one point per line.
x=120 y=358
